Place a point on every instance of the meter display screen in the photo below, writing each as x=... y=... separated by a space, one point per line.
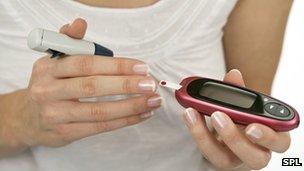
x=227 y=94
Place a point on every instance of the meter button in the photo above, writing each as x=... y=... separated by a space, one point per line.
x=271 y=108
x=282 y=111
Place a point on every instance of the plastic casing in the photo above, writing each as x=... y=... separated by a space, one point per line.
x=237 y=116
x=42 y=40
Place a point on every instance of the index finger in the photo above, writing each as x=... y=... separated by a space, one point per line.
x=77 y=66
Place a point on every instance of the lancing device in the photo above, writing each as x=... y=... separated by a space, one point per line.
x=242 y=105
x=57 y=44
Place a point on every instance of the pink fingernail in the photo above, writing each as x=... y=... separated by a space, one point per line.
x=219 y=119
x=154 y=101
x=236 y=72
x=146 y=115
x=190 y=116
x=147 y=85
x=141 y=69
x=254 y=132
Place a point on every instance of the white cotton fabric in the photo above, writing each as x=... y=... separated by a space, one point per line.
x=177 y=38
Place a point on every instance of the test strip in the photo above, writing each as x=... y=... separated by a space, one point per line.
x=171 y=85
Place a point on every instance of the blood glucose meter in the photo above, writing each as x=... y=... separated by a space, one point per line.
x=242 y=105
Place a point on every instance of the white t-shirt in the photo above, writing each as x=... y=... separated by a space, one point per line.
x=177 y=38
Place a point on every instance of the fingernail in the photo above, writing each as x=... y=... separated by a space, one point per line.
x=236 y=72
x=219 y=119
x=147 y=85
x=190 y=116
x=141 y=69
x=66 y=25
x=154 y=101
x=146 y=115
x=254 y=132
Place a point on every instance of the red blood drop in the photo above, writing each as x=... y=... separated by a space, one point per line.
x=163 y=82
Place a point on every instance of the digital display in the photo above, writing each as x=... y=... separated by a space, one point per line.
x=227 y=94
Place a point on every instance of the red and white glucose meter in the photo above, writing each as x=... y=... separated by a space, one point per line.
x=242 y=105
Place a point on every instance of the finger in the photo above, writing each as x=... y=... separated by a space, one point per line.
x=42 y=66
x=64 y=28
x=75 y=30
x=234 y=77
x=77 y=66
x=250 y=153
x=75 y=131
x=267 y=137
x=212 y=150
x=239 y=127
x=102 y=111
x=93 y=86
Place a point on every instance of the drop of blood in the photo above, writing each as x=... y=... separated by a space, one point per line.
x=163 y=82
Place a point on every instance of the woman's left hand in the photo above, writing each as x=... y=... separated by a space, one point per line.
x=234 y=145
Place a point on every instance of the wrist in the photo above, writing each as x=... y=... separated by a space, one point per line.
x=11 y=107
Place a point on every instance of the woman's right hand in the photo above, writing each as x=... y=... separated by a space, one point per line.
x=50 y=113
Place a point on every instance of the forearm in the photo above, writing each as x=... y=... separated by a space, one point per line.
x=253 y=40
x=10 y=104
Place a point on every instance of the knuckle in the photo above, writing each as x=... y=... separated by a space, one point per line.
x=126 y=85
x=131 y=121
x=89 y=86
x=269 y=140
x=48 y=115
x=231 y=136
x=40 y=66
x=120 y=66
x=102 y=127
x=61 y=129
x=197 y=134
x=37 y=92
x=37 y=64
x=138 y=106
x=63 y=132
x=42 y=91
x=85 y=64
x=98 y=112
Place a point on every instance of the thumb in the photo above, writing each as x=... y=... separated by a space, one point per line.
x=235 y=77
x=75 y=30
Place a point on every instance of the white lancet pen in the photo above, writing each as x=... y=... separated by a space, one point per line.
x=56 y=44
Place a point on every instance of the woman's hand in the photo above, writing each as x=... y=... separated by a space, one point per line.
x=48 y=113
x=234 y=145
